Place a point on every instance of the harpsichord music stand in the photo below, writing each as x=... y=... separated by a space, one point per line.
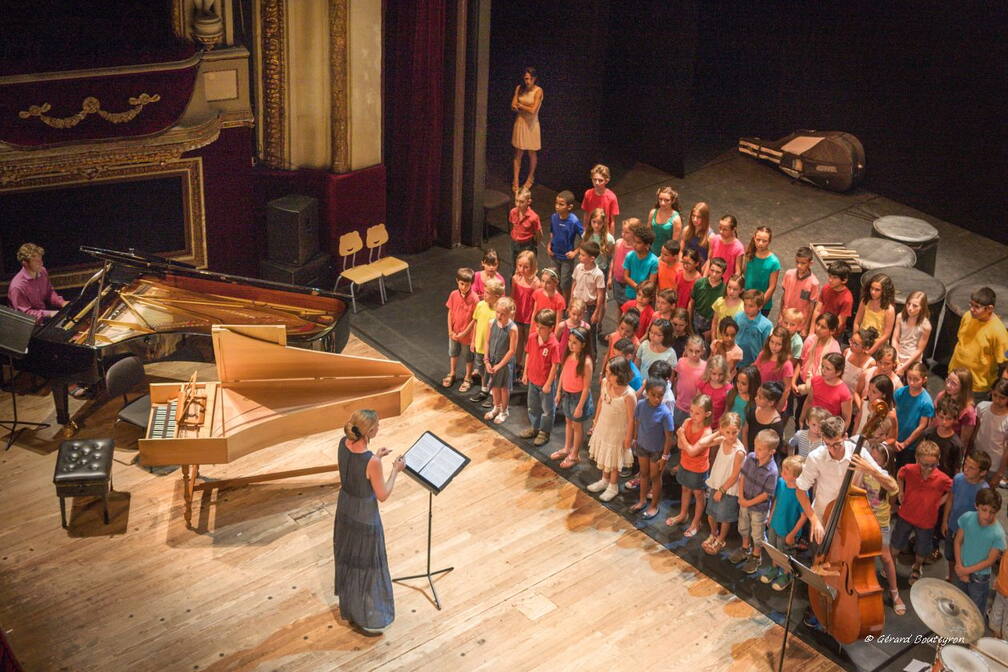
x=433 y=464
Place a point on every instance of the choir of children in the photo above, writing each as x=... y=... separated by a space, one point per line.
x=696 y=378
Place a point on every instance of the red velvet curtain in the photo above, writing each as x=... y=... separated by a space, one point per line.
x=414 y=119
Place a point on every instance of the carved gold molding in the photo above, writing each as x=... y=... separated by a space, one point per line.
x=89 y=161
x=90 y=105
x=178 y=19
x=339 y=85
x=274 y=83
x=190 y=170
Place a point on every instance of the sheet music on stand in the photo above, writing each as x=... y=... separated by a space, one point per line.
x=433 y=463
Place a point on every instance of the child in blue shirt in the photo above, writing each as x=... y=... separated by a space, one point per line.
x=914 y=410
x=653 y=432
x=625 y=347
x=641 y=265
x=753 y=327
x=565 y=237
x=978 y=545
x=786 y=520
x=965 y=486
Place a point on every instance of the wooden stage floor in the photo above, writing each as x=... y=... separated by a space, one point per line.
x=545 y=576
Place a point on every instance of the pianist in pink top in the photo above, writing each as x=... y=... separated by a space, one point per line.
x=30 y=290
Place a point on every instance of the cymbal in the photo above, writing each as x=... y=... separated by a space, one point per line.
x=948 y=611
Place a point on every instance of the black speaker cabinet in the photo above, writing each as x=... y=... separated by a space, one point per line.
x=316 y=273
x=292 y=232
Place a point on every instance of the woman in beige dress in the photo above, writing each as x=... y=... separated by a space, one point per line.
x=525 y=138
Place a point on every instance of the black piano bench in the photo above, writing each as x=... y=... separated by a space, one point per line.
x=84 y=469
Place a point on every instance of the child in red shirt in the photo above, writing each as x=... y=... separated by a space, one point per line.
x=526 y=227
x=461 y=304
x=644 y=305
x=686 y=277
x=542 y=358
x=547 y=296
x=835 y=297
x=923 y=491
x=600 y=197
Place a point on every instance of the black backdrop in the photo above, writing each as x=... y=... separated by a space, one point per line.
x=672 y=83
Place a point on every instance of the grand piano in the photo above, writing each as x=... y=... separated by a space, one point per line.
x=142 y=303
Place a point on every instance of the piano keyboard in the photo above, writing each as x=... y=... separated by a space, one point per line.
x=163 y=424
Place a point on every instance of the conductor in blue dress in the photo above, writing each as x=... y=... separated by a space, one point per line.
x=363 y=582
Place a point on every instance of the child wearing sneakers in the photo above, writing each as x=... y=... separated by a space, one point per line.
x=653 y=428
x=965 y=486
x=757 y=484
x=613 y=428
x=484 y=314
x=786 y=520
x=923 y=491
x=501 y=346
x=461 y=304
x=539 y=373
x=979 y=543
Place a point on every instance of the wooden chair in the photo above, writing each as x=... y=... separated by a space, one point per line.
x=377 y=236
x=349 y=245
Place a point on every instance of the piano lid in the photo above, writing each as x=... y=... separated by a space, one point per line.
x=151 y=263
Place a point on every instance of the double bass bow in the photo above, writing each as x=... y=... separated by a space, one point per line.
x=846 y=558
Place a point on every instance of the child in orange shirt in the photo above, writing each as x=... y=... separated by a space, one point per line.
x=668 y=264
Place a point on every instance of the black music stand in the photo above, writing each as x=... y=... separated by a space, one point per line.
x=797 y=570
x=15 y=332
x=433 y=464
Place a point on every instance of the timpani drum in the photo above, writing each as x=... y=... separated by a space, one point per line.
x=915 y=233
x=955 y=658
x=874 y=253
x=996 y=652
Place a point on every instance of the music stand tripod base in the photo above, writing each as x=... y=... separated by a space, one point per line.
x=429 y=574
x=13 y=424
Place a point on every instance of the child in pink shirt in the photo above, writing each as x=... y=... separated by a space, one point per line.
x=689 y=372
x=490 y=265
x=801 y=287
x=617 y=274
x=726 y=245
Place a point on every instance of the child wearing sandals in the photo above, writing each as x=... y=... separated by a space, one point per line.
x=923 y=491
x=694 y=450
x=501 y=346
x=653 y=427
x=722 y=484
x=613 y=428
x=573 y=396
x=461 y=304
x=757 y=484
x=879 y=485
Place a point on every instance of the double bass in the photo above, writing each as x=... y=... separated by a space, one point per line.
x=846 y=558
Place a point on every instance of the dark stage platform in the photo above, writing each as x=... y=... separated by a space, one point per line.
x=412 y=328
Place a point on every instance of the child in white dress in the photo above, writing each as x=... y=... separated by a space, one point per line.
x=613 y=427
